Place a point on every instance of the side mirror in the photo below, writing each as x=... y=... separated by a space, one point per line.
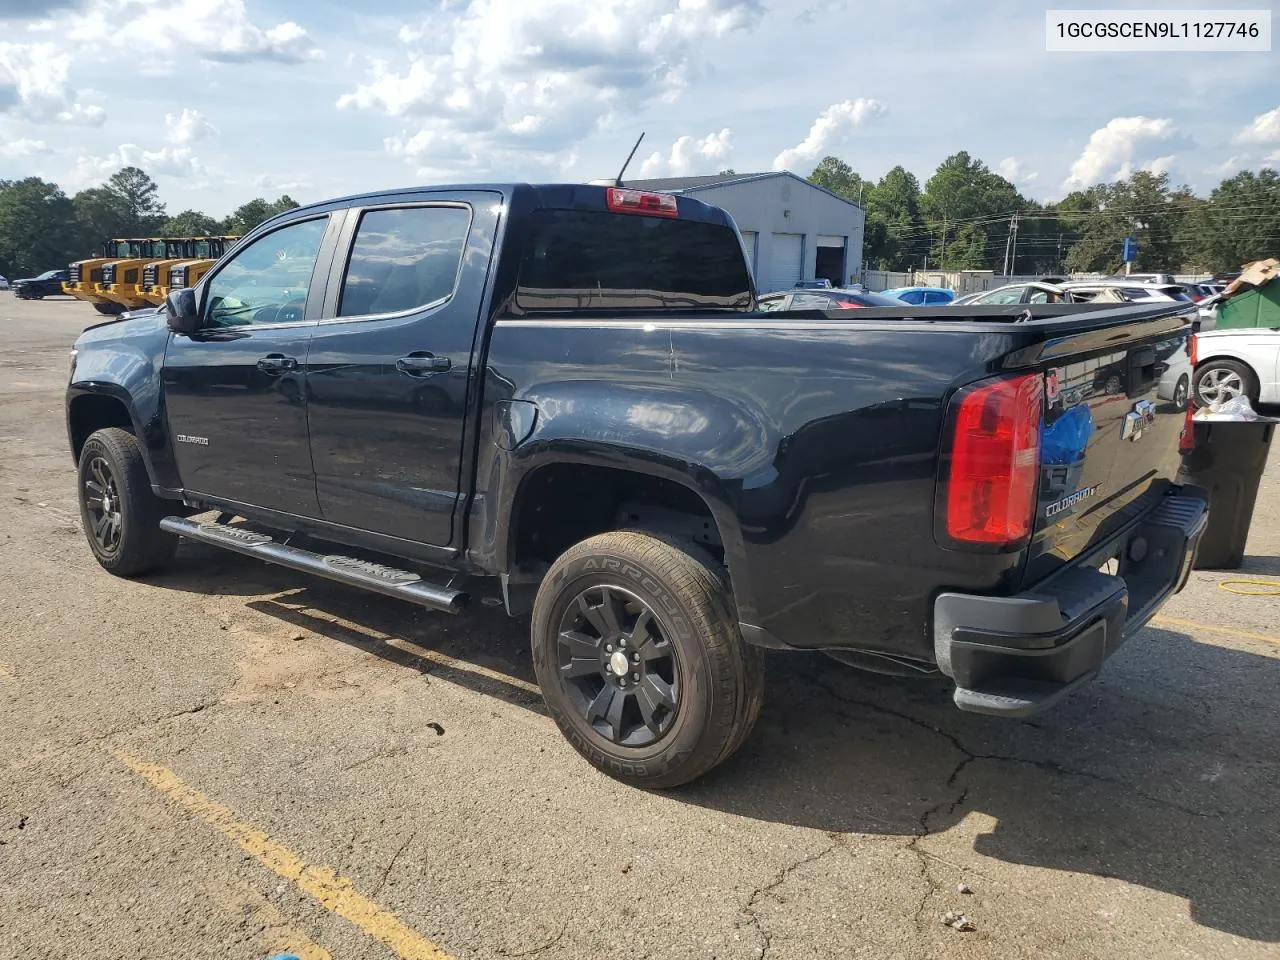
x=183 y=312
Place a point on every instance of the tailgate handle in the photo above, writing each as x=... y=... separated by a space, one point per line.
x=1142 y=370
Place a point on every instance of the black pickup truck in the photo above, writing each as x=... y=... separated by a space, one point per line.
x=564 y=398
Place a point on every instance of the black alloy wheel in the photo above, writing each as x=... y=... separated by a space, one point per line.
x=103 y=506
x=618 y=666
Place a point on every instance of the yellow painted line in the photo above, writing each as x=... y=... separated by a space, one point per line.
x=333 y=891
x=301 y=947
x=1209 y=628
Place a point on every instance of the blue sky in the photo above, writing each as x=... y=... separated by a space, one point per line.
x=224 y=100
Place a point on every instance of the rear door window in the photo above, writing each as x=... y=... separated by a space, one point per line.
x=592 y=260
x=404 y=258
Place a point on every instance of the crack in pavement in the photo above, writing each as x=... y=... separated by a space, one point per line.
x=954 y=800
x=382 y=880
x=1051 y=766
x=139 y=724
x=749 y=908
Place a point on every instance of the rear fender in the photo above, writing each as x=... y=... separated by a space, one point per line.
x=706 y=444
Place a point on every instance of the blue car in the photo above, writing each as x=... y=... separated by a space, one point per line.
x=921 y=296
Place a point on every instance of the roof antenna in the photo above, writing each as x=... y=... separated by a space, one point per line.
x=618 y=181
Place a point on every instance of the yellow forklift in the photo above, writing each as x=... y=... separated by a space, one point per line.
x=207 y=252
x=83 y=276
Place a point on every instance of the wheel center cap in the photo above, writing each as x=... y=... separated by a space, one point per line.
x=618 y=663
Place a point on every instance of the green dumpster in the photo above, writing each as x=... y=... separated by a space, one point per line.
x=1259 y=307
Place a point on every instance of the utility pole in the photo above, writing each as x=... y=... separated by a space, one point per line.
x=942 y=260
x=1009 y=236
x=1013 y=258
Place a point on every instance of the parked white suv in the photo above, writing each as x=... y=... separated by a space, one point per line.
x=4 y=284
x=1237 y=362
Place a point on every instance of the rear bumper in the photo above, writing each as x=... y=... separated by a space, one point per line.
x=1016 y=656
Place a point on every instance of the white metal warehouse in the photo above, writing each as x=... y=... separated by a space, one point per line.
x=793 y=230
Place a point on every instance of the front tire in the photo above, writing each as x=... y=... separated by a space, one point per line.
x=109 y=309
x=637 y=650
x=121 y=515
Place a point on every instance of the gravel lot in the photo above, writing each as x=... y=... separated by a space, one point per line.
x=233 y=760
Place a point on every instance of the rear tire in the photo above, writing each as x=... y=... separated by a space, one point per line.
x=121 y=515
x=637 y=650
x=1220 y=380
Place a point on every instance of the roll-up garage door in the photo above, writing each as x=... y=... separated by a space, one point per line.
x=786 y=261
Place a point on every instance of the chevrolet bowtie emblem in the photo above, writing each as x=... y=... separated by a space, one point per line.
x=1137 y=420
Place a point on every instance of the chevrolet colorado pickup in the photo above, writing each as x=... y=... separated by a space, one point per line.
x=563 y=399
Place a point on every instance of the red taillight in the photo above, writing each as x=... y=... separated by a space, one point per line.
x=1193 y=349
x=639 y=201
x=995 y=462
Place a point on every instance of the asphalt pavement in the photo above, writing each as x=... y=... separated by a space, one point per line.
x=233 y=760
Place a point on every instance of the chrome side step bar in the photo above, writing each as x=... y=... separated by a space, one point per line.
x=388 y=581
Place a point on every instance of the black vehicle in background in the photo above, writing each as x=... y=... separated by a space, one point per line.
x=565 y=400
x=48 y=284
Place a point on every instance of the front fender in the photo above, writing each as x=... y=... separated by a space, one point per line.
x=122 y=360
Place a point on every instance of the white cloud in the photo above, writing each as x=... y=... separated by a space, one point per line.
x=165 y=162
x=1264 y=129
x=188 y=126
x=1271 y=160
x=11 y=149
x=690 y=155
x=830 y=127
x=1229 y=166
x=269 y=184
x=34 y=85
x=216 y=30
x=504 y=84
x=1111 y=149
x=1159 y=165
x=1015 y=171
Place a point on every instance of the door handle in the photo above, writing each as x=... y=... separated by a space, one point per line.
x=275 y=364
x=423 y=364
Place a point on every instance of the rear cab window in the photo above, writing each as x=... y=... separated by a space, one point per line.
x=595 y=260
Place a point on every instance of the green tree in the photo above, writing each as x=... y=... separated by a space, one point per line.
x=1237 y=224
x=895 y=231
x=191 y=223
x=1143 y=206
x=835 y=175
x=144 y=212
x=967 y=210
x=100 y=214
x=249 y=215
x=37 y=231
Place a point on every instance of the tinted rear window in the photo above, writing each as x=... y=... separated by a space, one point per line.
x=589 y=260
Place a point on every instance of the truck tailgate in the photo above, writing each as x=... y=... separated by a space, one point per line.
x=1115 y=408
